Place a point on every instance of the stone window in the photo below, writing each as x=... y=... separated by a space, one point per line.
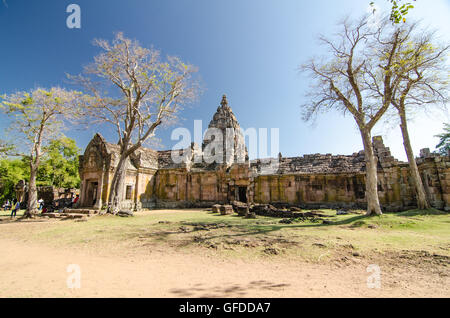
x=380 y=187
x=128 y=192
x=360 y=191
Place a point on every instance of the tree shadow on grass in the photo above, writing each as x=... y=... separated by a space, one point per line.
x=348 y=220
x=236 y=230
x=421 y=212
x=256 y=229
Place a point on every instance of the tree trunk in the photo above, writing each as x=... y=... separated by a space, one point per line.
x=421 y=197
x=32 y=193
x=117 y=186
x=373 y=204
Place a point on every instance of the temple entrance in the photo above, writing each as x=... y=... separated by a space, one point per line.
x=242 y=194
x=91 y=194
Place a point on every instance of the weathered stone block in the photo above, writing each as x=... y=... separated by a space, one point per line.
x=226 y=209
x=242 y=210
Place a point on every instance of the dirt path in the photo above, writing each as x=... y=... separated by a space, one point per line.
x=31 y=270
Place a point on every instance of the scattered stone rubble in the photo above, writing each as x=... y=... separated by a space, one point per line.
x=70 y=214
x=252 y=210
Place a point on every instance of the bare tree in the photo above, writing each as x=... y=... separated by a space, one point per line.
x=36 y=117
x=146 y=92
x=357 y=60
x=421 y=66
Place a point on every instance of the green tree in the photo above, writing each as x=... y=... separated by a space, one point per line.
x=443 y=147
x=11 y=171
x=59 y=166
x=6 y=149
x=37 y=117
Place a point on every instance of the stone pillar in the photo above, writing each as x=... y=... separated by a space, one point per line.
x=82 y=193
x=188 y=197
x=98 y=202
x=136 y=191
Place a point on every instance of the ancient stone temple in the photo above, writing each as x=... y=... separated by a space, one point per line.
x=49 y=194
x=224 y=174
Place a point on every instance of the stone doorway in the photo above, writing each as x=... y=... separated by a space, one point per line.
x=91 y=197
x=242 y=194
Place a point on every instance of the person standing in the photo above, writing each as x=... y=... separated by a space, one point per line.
x=41 y=203
x=15 y=207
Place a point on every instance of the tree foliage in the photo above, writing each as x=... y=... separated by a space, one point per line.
x=421 y=66
x=5 y=148
x=399 y=10
x=59 y=166
x=443 y=147
x=11 y=171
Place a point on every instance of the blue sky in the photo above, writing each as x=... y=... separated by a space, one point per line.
x=247 y=49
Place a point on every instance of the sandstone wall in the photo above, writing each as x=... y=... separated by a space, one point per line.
x=317 y=190
x=435 y=172
x=198 y=188
x=183 y=188
x=395 y=187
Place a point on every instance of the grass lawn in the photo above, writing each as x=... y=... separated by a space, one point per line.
x=4 y=213
x=390 y=236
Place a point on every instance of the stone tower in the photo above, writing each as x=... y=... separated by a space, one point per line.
x=224 y=142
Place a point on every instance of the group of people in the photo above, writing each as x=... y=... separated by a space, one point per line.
x=15 y=205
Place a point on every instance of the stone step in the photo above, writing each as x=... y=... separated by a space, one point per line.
x=73 y=215
x=80 y=211
x=52 y=215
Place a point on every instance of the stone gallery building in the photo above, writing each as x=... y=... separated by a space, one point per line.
x=154 y=180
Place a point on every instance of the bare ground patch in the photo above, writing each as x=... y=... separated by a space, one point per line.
x=198 y=254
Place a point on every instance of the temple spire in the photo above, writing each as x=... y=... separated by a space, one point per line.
x=224 y=101
x=233 y=149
